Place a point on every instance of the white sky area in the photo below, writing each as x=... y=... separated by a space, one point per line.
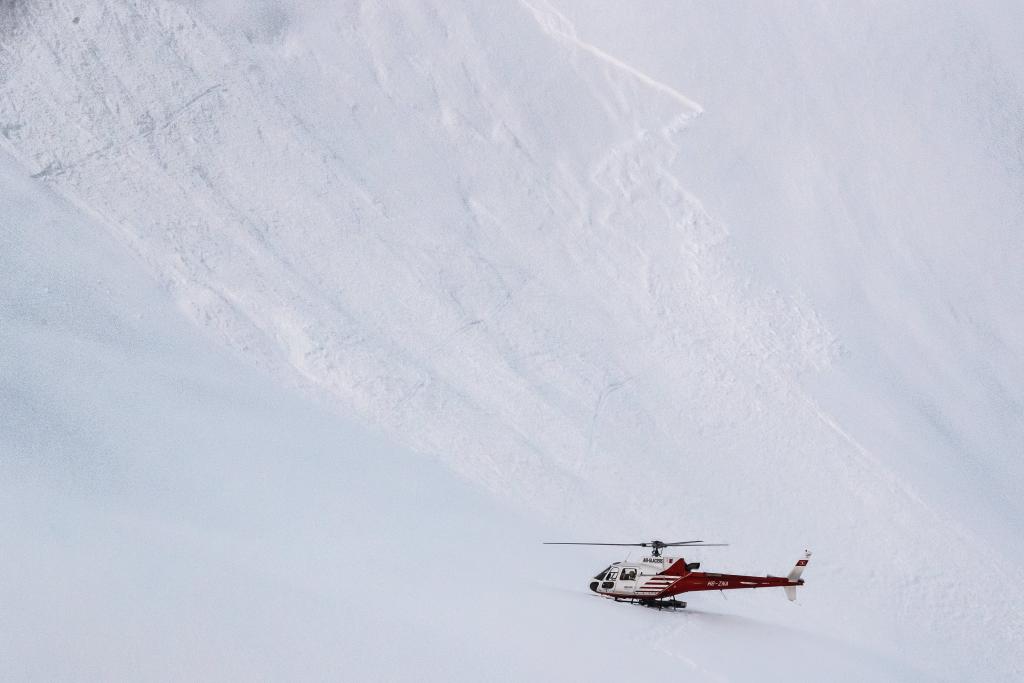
x=315 y=320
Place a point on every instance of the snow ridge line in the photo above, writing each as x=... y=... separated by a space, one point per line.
x=555 y=23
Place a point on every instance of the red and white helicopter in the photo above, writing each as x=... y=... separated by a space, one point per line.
x=654 y=581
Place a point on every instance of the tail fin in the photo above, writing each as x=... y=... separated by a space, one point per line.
x=794 y=575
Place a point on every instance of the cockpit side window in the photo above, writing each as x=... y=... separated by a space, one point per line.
x=612 y=574
x=628 y=574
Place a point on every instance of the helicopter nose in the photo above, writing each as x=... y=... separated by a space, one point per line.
x=593 y=586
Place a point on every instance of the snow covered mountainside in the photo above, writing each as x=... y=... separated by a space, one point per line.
x=747 y=275
x=168 y=514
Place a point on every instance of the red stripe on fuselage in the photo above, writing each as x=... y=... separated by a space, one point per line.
x=700 y=581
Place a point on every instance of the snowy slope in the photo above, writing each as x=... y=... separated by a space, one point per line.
x=169 y=514
x=882 y=179
x=478 y=231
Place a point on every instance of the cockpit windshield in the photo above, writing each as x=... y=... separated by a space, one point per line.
x=600 y=577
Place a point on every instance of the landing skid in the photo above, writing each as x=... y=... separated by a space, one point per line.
x=670 y=603
x=663 y=604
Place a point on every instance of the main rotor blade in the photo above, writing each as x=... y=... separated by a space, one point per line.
x=691 y=543
x=578 y=543
x=646 y=544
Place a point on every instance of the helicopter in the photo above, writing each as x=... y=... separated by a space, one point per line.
x=654 y=581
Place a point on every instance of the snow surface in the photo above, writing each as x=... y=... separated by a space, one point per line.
x=747 y=274
x=169 y=514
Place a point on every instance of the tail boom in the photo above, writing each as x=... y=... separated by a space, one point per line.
x=707 y=581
